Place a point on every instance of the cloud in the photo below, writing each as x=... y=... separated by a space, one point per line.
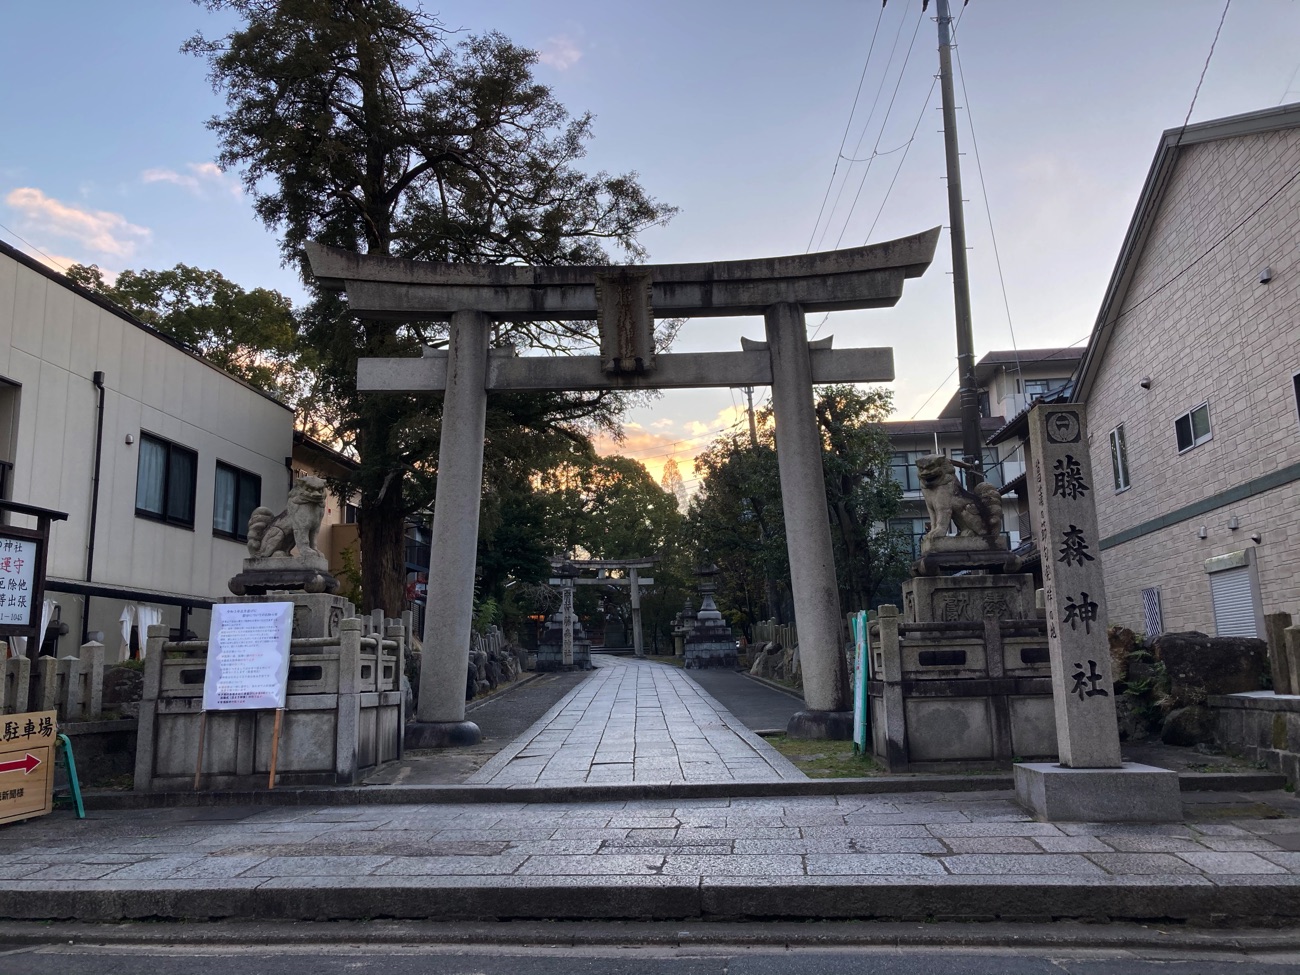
x=655 y=449
x=201 y=178
x=99 y=230
x=560 y=52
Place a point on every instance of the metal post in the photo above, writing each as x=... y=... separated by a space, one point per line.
x=971 y=442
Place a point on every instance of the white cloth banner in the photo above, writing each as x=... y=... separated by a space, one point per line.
x=18 y=644
x=126 y=620
x=145 y=617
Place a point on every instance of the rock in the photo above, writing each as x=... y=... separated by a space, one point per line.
x=1129 y=713
x=1189 y=726
x=123 y=685
x=1200 y=665
x=408 y=698
x=1123 y=642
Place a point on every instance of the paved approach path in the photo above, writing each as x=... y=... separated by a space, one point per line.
x=635 y=721
x=898 y=856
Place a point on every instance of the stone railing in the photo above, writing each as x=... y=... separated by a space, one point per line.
x=343 y=713
x=72 y=686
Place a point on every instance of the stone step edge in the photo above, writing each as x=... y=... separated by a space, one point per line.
x=414 y=794
x=1248 y=903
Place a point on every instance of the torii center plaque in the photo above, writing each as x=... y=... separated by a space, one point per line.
x=625 y=301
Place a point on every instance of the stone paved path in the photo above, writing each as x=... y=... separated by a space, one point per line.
x=377 y=858
x=635 y=721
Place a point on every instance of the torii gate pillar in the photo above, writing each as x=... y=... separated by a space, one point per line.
x=807 y=530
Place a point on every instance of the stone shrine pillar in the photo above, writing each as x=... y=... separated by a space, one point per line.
x=444 y=663
x=807 y=531
x=1091 y=783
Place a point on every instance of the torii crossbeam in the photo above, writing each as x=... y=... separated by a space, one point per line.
x=625 y=301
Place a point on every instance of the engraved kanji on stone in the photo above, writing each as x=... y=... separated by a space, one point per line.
x=1067 y=479
x=1074 y=550
x=1091 y=678
x=1084 y=611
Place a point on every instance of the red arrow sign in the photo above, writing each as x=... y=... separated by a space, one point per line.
x=25 y=764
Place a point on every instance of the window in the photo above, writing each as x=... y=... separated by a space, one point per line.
x=235 y=496
x=1295 y=382
x=1193 y=427
x=902 y=468
x=1119 y=458
x=1035 y=388
x=349 y=514
x=992 y=467
x=164 y=484
x=911 y=530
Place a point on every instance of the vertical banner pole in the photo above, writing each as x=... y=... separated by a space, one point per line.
x=861 y=668
x=198 y=765
x=275 y=747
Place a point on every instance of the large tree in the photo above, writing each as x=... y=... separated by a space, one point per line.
x=357 y=123
x=252 y=334
x=736 y=517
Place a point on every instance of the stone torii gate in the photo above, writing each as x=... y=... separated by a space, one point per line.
x=625 y=300
x=633 y=581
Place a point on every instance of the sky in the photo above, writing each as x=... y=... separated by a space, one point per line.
x=775 y=127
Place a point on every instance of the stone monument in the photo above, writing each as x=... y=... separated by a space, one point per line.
x=284 y=560
x=1091 y=783
x=710 y=643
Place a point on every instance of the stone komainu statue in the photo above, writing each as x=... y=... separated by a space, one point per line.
x=296 y=526
x=976 y=513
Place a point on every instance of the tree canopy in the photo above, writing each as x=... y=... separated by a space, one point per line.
x=252 y=334
x=361 y=125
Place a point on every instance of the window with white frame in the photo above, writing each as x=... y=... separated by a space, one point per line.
x=235 y=494
x=164 y=485
x=1119 y=458
x=1035 y=388
x=1193 y=427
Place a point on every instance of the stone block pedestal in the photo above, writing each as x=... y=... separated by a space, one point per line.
x=1132 y=793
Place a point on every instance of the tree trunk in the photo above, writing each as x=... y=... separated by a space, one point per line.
x=382 y=530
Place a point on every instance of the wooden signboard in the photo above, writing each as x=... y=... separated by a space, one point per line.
x=23 y=552
x=27 y=764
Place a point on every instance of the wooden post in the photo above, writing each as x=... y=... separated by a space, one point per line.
x=275 y=746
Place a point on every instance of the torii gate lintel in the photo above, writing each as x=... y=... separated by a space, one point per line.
x=625 y=302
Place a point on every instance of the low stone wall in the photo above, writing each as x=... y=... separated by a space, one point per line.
x=104 y=750
x=959 y=693
x=1262 y=726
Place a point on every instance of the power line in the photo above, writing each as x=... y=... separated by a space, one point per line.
x=884 y=76
x=56 y=263
x=848 y=124
x=1204 y=68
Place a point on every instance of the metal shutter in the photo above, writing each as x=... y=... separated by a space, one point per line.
x=1234 y=602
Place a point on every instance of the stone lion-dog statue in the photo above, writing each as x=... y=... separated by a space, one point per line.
x=295 y=527
x=976 y=513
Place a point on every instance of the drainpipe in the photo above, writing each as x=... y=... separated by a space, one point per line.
x=98 y=380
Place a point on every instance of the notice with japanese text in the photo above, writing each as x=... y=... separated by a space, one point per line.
x=17 y=581
x=248 y=656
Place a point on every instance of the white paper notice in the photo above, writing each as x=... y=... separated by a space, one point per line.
x=18 y=582
x=248 y=656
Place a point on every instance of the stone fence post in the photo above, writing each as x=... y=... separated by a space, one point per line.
x=888 y=667
x=17 y=683
x=1291 y=636
x=349 y=700
x=146 y=730
x=45 y=684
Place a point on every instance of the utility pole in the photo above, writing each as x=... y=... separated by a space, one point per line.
x=753 y=430
x=971 y=441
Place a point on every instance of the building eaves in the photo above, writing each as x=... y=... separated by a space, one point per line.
x=1018 y=426
x=1171 y=144
x=990 y=362
x=942 y=426
x=65 y=282
x=310 y=443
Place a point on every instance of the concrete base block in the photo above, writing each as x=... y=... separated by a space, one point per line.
x=830 y=725
x=1131 y=794
x=442 y=734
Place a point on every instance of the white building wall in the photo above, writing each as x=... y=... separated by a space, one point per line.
x=1198 y=322
x=52 y=340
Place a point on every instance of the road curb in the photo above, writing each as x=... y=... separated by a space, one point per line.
x=378 y=795
x=895 y=899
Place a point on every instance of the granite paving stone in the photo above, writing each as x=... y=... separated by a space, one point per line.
x=863 y=864
x=1011 y=864
x=1231 y=863
x=1141 y=863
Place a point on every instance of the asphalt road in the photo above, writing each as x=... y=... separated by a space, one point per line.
x=758 y=707
x=198 y=959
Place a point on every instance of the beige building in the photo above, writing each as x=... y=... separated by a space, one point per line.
x=156 y=455
x=1192 y=384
